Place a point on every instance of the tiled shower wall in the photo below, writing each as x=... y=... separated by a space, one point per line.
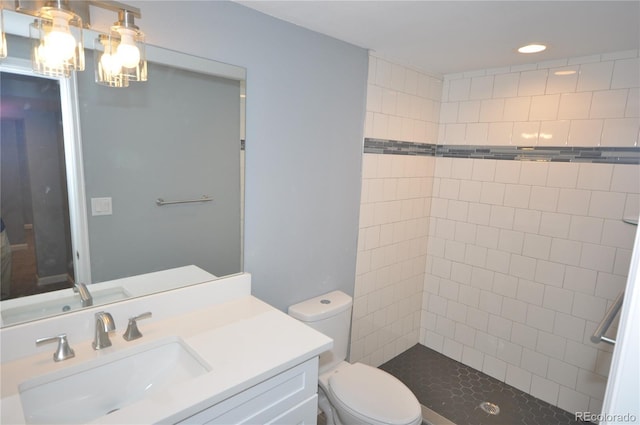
x=523 y=257
x=402 y=104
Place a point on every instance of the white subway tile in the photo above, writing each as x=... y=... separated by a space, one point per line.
x=491 y=110
x=519 y=378
x=535 y=363
x=545 y=389
x=465 y=334
x=561 y=80
x=459 y=89
x=584 y=59
x=524 y=335
x=506 y=85
x=564 y=251
x=505 y=284
x=558 y=299
x=522 y=267
x=549 y=273
x=502 y=217
x=626 y=179
x=536 y=246
x=397 y=77
x=609 y=285
x=574 y=201
x=525 y=133
x=621 y=132
x=598 y=257
x=616 y=233
x=477 y=319
x=540 y=318
x=591 y=383
x=544 y=198
x=380 y=126
x=588 y=307
x=554 y=133
x=477 y=133
x=456 y=311
x=472 y=358
x=608 y=103
x=555 y=224
x=633 y=104
x=498 y=327
x=411 y=81
x=595 y=76
x=534 y=173
x=625 y=73
x=492 y=193
x=498 y=261
x=499 y=133
x=607 y=204
x=532 y=82
x=585 y=132
x=526 y=220
x=484 y=170
x=481 y=87
x=469 y=111
x=574 y=106
x=562 y=175
x=544 y=108
x=569 y=327
x=517 y=108
x=550 y=345
x=495 y=368
x=389 y=101
x=595 y=176
x=562 y=373
x=452 y=349
x=572 y=401
x=511 y=241
x=479 y=213
x=509 y=352
x=507 y=171
x=514 y=310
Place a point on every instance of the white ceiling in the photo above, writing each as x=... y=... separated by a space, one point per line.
x=444 y=37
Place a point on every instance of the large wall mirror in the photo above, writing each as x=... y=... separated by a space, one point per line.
x=102 y=185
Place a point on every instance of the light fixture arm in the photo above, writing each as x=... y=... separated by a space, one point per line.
x=116 y=7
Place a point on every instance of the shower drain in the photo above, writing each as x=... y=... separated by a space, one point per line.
x=490 y=408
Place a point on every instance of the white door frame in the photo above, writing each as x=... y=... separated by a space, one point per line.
x=73 y=164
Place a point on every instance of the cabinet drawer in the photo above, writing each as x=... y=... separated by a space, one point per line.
x=266 y=400
x=305 y=413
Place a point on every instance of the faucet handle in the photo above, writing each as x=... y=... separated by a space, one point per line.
x=132 y=331
x=63 y=352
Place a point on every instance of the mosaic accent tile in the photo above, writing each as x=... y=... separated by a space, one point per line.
x=607 y=155
x=455 y=391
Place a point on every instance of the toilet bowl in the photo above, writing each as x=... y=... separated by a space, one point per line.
x=353 y=394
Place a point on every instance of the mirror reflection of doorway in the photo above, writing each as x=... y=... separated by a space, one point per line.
x=34 y=199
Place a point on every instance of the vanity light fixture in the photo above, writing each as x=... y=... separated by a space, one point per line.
x=3 y=38
x=532 y=48
x=120 y=56
x=57 y=40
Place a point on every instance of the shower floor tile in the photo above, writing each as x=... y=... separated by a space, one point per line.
x=455 y=391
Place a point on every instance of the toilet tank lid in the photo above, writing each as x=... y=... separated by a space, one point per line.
x=321 y=307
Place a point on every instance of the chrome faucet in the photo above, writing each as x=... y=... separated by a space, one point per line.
x=104 y=325
x=85 y=295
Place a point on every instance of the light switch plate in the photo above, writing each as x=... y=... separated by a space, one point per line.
x=101 y=206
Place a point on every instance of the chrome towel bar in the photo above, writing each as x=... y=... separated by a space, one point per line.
x=205 y=198
x=602 y=328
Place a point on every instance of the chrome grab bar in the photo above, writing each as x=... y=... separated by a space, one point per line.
x=205 y=198
x=602 y=328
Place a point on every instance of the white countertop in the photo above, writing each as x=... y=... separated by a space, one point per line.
x=243 y=341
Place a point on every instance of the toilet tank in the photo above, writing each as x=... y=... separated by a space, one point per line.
x=329 y=314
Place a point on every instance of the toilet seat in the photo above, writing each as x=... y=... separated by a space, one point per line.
x=374 y=395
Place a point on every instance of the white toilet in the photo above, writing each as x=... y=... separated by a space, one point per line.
x=353 y=394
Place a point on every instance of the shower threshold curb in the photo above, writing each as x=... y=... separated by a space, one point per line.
x=430 y=417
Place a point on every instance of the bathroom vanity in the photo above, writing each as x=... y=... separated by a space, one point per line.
x=210 y=353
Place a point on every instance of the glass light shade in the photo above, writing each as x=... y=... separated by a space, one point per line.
x=57 y=42
x=130 y=52
x=3 y=38
x=108 y=65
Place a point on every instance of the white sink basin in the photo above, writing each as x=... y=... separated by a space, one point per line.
x=85 y=392
x=50 y=307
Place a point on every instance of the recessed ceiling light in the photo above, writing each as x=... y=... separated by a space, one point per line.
x=532 y=48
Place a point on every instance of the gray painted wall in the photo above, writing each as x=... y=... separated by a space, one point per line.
x=176 y=137
x=305 y=114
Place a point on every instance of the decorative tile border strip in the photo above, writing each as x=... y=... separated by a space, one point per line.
x=605 y=155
